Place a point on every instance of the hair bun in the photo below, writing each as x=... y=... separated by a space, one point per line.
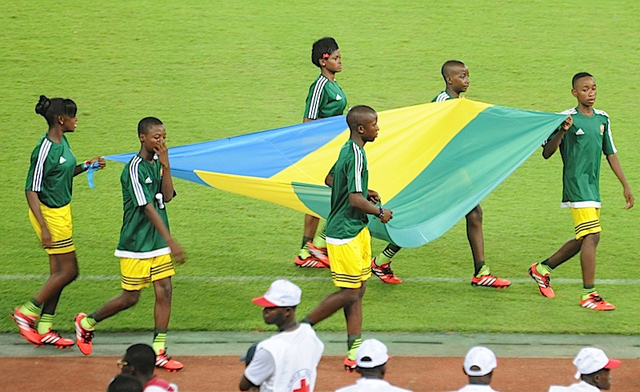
x=43 y=105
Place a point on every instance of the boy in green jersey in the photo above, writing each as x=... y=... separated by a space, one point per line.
x=456 y=77
x=583 y=137
x=348 y=238
x=146 y=246
x=325 y=99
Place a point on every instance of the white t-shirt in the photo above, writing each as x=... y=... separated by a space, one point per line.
x=477 y=388
x=581 y=386
x=286 y=361
x=156 y=384
x=372 y=385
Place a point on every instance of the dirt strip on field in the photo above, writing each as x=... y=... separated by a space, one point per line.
x=222 y=373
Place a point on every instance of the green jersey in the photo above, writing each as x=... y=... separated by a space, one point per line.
x=443 y=96
x=325 y=99
x=141 y=184
x=350 y=175
x=51 y=171
x=581 y=149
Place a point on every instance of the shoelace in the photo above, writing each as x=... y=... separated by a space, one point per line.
x=596 y=298
x=87 y=336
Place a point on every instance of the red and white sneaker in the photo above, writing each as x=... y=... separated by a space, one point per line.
x=53 y=338
x=384 y=272
x=27 y=326
x=309 y=262
x=490 y=280
x=349 y=365
x=163 y=361
x=84 y=337
x=544 y=281
x=594 y=302
x=319 y=253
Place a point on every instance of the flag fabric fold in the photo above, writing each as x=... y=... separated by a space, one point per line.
x=431 y=163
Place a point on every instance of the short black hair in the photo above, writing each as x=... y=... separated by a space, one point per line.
x=146 y=123
x=447 y=65
x=50 y=108
x=326 y=45
x=578 y=76
x=358 y=114
x=374 y=371
x=124 y=383
x=142 y=358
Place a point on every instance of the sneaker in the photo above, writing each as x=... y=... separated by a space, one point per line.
x=490 y=280
x=84 y=337
x=53 y=338
x=349 y=365
x=594 y=302
x=318 y=253
x=27 y=326
x=384 y=272
x=309 y=262
x=164 y=361
x=544 y=281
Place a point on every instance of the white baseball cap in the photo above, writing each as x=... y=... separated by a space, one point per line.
x=482 y=358
x=590 y=360
x=371 y=353
x=281 y=293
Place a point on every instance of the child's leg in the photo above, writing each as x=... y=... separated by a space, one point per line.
x=63 y=269
x=566 y=251
x=588 y=259
x=162 y=310
x=335 y=301
x=112 y=307
x=475 y=237
x=353 y=317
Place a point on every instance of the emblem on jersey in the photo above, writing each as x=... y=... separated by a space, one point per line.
x=580 y=132
x=602 y=129
x=299 y=382
x=62 y=160
x=338 y=97
x=148 y=180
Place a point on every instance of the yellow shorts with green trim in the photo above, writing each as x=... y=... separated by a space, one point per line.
x=586 y=221
x=351 y=262
x=60 y=227
x=139 y=273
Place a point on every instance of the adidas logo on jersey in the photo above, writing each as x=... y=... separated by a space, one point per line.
x=62 y=160
x=148 y=180
x=580 y=132
x=338 y=97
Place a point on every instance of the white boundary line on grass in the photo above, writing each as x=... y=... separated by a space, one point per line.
x=415 y=279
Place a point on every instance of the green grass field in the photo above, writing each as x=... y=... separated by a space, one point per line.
x=223 y=68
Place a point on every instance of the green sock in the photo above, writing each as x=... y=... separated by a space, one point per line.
x=543 y=269
x=89 y=322
x=387 y=254
x=484 y=270
x=159 y=341
x=30 y=308
x=46 y=323
x=586 y=291
x=353 y=342
x=320 y=239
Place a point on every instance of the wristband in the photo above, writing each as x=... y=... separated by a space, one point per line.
x=86 y=165
x=381 y=212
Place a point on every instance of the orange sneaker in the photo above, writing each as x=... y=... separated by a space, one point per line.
x=163 y=361
x=53 y=338
x=544 y=281
x=309 y=262
x=27 y=326
x=349 y=365
x=84 y=337
x=384 y=272
x=490 y=280
x=319 y=253
x=594 y=302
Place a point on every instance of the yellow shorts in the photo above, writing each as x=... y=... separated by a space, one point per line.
x=60 y=227
x=586 y=221
x=139 y=273
x=351 y=262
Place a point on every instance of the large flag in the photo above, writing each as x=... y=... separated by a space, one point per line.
x=431 y=163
